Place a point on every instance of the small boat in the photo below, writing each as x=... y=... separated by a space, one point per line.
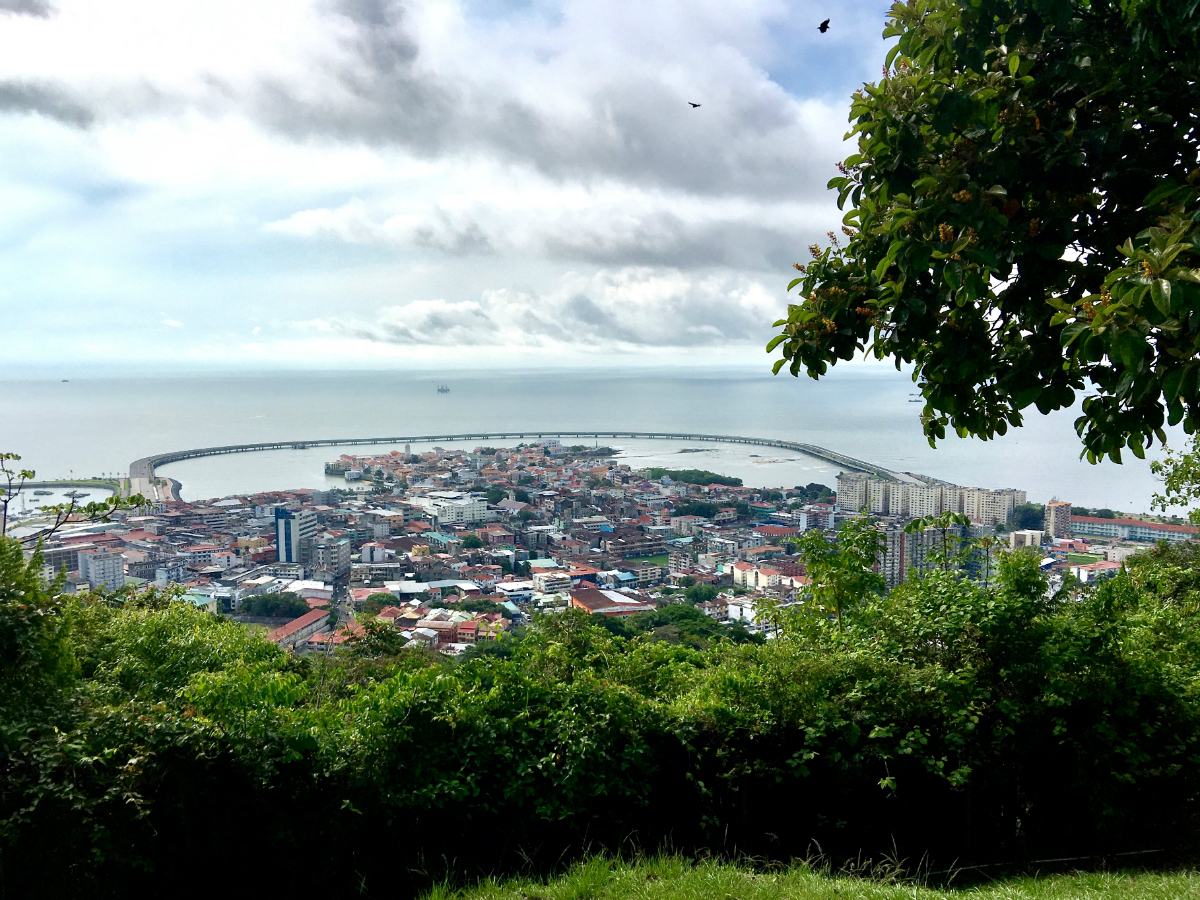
x=443 y=388
x=42 y=493
x=75 y=495
x=916 y=401
x=64 y=381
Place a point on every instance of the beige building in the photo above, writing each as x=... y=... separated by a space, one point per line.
x=852 y=492
x=1029 y=538
x=1058 y=519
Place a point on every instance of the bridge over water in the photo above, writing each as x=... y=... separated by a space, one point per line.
x=141 y=471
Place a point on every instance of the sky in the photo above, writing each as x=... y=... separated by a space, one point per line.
x=368 y=183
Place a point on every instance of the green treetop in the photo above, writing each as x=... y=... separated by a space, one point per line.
x=1021 y=222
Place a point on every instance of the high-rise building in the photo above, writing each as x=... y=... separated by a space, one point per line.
x=102 y=567
x=294 y=533
x=332 y=555
x=852 y=492
x=891 y=559
x=1058 y=519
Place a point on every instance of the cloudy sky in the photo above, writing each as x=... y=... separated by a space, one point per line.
x=345 y=183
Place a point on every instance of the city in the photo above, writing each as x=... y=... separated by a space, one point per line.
x=542 y=527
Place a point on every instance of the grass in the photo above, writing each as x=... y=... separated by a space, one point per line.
x=661 y=559
x=1081 y=559
x=673 y=878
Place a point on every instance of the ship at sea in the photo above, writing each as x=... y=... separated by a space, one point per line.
x=443 y=388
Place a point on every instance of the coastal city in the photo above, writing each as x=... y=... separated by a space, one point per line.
x=456 y=548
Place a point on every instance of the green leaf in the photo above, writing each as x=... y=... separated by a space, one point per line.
x=1014 y=63
x=1160 y=293
x=1128 y=347
x=1071 y=332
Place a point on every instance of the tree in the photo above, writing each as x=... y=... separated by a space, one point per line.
x=1022 y=219
x=275 y=606
x=700 y=593
x=842 y=572
x=1180 y=473
x=472 y=542
x=375 y=603
x=35 y=654
x=495 y=495
x=1028 y=515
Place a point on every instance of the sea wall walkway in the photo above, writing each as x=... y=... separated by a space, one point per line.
x=141 y=471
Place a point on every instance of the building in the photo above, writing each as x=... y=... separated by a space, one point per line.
x=299 y=630
x=332 y=555
x=65 y=555
x=1125 y=529
x=1019 y=539
x=453 y=507
x=551 y=582
x=374 y=552
x=608 y=603
x=294 y=534
x=1097 y=571
x=102 y=567
x=1058 y=519
x=852 y=492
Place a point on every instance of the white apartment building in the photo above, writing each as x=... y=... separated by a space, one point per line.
x=912 y=501
x=102 y=567
x=376 y=553
x=852 y=492
x=453 y=507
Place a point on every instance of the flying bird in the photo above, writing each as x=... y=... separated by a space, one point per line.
x=823 y=27
x=693 y=105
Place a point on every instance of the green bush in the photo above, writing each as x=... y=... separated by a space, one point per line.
x=967 y=723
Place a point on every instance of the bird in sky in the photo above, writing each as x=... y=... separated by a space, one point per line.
x=823 y=27
x=693 y=105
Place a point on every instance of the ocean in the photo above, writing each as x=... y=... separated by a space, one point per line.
x=93 y=425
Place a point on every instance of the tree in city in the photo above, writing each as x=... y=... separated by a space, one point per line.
x=375 y=603
x=700 y=593
x=472 y=542
x=1022 y=219
x=275 y=606
x=842 y=571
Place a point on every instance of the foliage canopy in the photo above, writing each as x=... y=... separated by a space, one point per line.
x=1022 y=219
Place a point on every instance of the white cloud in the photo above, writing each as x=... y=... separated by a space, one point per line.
x=423 y=177
x=628 y=309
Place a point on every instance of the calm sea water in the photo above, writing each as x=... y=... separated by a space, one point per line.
x=96 y=425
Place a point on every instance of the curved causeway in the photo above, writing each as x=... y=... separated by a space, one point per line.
x=141 y=471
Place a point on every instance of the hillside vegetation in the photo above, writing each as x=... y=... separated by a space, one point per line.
x=948 y=721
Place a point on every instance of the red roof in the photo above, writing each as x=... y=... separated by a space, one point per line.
x=1158 y=526
x=295 y=625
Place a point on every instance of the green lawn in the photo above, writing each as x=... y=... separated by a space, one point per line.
x=1080 y=559
x=660 y=560
x=676 y=879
